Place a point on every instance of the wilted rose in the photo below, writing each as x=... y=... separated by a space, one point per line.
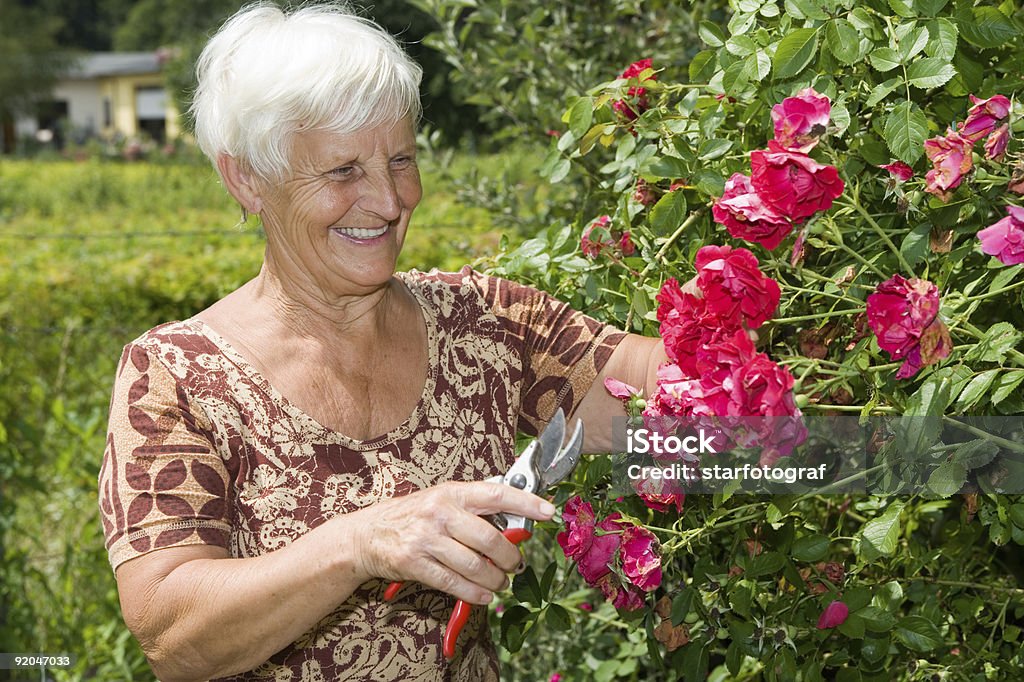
x=904 y=315
x=1005 y=238
x=792 y=183
x=626 y=247
x=597 y=237
x=801 y=120
x=834 y=615
x=641 y=563
x=951 y=160
x=995 y=145
x=746 y=216
x=643 y=193
x=983 y=117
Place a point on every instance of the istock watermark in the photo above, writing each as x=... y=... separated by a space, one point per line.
x=934 y=456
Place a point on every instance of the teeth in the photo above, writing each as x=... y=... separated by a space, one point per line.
x=360 y=233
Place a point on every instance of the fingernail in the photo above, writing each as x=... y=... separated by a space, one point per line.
x=521 y=566
x=547 y=508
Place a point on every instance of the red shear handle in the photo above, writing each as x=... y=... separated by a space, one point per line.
x=460 y=614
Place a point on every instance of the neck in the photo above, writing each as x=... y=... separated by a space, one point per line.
x=309 y=312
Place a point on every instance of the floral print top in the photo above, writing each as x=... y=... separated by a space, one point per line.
x=202 y=449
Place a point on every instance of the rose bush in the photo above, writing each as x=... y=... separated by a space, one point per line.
x=846 y=179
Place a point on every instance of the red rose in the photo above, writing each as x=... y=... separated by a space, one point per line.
x=995 y=145
x=800 y=121
x=833 y=616
x=900 y=171
x=596 y=237
x=643 y=193
x=733 y=286
x=597 y=560
x=746 y=216
x=578 y=517
x=951 y=160
x=639 y=105
x=792 y=183
x=904 y=315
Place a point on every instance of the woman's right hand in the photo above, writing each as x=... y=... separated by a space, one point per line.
x=438 y=537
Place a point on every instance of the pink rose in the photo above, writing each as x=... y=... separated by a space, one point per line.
x=626 y=246
x=597 y=560
x=619 y=389
x=792 y=183
x=800 y=121
x=900 y=171
x=625 y=597
x=596 y=237
x=1005 y=239
x=643 y=193
x=995 y=145
x=578 y=517
x=733 y=286
x=746 y=216
x=904 y=315
x=951 y=160
x=984 y=116
x=834 y=615
x=641 y=563
x=632 y=110
x=685 y=321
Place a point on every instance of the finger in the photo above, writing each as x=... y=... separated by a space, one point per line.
x=471 y=566
x=491 y=498
x=440 y=577
x=483 y=538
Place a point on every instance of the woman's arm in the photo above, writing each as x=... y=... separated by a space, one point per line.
x=199 y=614
x=634 y=361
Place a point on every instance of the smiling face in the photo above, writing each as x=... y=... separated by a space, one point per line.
x=336 y=225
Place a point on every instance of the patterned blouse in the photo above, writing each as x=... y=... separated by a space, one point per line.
x=202 y=449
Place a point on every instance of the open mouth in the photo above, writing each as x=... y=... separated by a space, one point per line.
x=361 y=233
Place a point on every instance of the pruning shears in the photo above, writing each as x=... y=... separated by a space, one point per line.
x=542 y=465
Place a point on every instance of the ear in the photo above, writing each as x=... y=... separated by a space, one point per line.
x=240 y=182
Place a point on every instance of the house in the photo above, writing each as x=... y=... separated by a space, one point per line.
x=107 y=95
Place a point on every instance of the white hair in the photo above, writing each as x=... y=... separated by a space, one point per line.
x=267 y=74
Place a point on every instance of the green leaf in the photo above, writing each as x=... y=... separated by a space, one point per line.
x=758 y=65
x=930 y=8
x=714 y=148
x=880 y=535
x=795 y=52
x=975 y=389
x=985 y=27
x=547 y=580
x=947 y=479
x=702 y=66
x=912 y=43
x=844 y=41
x=915 y=246
x=669 y=212
x=976 y=453
x=512 y=622
x=709 y=182
x=526 y=588
x=560 y=170
x=1017 y=514
x=1006 y=385
x=876 y=619
x=805 y=9
x=681 y=605
x=665 y=167
x=884 y=59
x=942 y=35
x=580 y=116
x=903 y=8
x=931 y=399
x=918 y=634
x=929 y=72
x=764 y=564
x=881 y=91
x=999 y=340
x=810 y=548
x=853 y=627
x=905 y=131
x=557 y=617
x=711 y=33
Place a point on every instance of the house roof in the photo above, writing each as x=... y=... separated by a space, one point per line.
x=100 y=64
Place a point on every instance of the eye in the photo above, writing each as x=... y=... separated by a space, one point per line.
x=400 y=162
x=343 y=172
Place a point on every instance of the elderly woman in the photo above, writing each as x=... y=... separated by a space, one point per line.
x=273 y=462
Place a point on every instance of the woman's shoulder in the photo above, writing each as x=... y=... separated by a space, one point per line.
x=489 y=290
x=183 y=347
x=190 y=334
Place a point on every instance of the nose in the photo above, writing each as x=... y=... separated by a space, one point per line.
x=380 y=196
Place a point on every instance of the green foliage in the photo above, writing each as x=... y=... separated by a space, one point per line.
x=28 y=61
x=933 y=581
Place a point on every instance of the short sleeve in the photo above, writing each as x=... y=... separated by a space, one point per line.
x=564 y=349
x=162 y=483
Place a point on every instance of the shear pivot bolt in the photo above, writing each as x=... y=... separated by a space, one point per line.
x=518 y=481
